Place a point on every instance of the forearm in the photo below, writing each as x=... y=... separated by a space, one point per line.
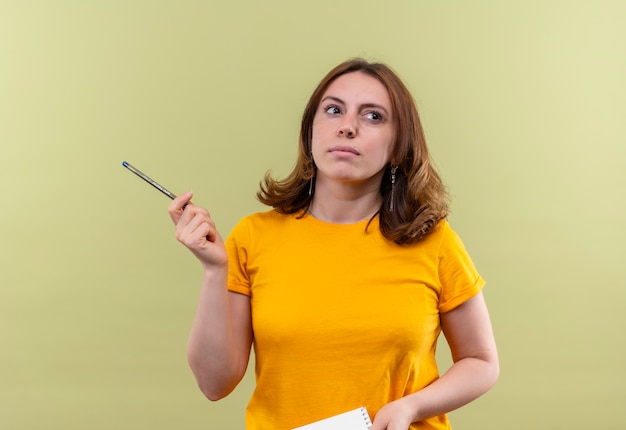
x=216 y=353
x=465 y=381
x=476 y=368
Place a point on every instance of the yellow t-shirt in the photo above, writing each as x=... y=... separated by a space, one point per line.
x=342 y=317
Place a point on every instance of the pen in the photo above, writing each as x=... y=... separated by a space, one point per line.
x=148 y=180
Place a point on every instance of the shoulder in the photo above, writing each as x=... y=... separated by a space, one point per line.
x=445 y=242
x=439 y=235
x=444 y=235
x=264 y=219
x=259 y=223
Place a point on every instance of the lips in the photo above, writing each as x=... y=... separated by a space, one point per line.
x=342 y=148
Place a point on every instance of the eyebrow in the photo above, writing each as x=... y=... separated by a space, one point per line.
x=364 y=105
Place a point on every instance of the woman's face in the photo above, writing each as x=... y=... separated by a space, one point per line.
x=353 y=131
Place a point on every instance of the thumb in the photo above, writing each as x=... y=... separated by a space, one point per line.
x=175 y=209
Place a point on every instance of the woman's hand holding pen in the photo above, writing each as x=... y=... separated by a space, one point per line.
x=196 y=230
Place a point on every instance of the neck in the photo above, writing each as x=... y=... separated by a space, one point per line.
x=345 y=204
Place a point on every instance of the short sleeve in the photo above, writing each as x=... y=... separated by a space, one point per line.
x=459 y=278
x=237 y=247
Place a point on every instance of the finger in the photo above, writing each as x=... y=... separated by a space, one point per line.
x=194 y=219
x=380 y=426
x=175 y=208
x=204 y=232
x=195 y=227
x=211 y=233
x=192 y=216
x=202 y=227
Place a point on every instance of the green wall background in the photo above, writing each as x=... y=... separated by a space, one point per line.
x=524 y=108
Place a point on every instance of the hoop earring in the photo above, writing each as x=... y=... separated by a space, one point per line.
x=393 y=186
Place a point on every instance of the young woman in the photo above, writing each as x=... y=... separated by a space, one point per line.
x=345 y=285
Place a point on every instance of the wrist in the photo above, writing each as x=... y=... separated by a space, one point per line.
x=215 y=275
x=411 y=406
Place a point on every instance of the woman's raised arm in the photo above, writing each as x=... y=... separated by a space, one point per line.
x=219 y=344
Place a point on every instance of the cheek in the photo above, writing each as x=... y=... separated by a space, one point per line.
x=321 y=126
x=390 y=150
x=315 y=141
x=391 y=144
x=385 y=142
x=319 y=131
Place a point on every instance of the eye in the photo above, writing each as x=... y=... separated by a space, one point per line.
x=332 y=109
x=374 y=116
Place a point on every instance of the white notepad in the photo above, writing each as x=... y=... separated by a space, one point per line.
x=356 y=419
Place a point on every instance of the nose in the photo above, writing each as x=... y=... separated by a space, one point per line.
x=347 y=128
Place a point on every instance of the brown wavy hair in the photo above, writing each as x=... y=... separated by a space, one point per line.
x=419 y=197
